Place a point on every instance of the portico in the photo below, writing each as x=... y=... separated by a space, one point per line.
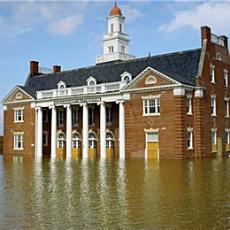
x=99 y=125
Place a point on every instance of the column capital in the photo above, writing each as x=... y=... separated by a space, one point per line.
x=38 y=108
x=52 y=107
x=83 y=104
x=120 y=101
x=67 y=106
x=100 y=103
x=179 y=91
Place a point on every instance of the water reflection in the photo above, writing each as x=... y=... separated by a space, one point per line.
x=98 y=194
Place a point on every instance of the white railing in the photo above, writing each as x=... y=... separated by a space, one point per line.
x=101 y=88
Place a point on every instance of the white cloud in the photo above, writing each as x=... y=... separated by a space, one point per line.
x=214 y=14
x=66 y=25
x=21 y=17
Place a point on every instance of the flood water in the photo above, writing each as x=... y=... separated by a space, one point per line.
x=94 y=194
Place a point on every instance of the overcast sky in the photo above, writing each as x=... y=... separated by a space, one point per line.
x=70 y=33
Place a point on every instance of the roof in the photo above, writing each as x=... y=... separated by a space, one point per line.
x=180 y=66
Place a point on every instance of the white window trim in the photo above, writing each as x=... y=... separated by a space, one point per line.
x=150 y=80
x=190 y=131
x=147 y=99
x=189 y=97
x=227 y=100
x=227 y=131
x=19 y=133
x=213 y=80
x=213 y=97
x=226 y=75
x=214 y=130
x=15 y=114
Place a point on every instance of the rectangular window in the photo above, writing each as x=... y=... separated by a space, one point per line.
x=91 y=116
x=110 y=49
x=212 y=73
x=108 y=115
x=190 y=139
x=120 y=27
x=18 y=141
x=189 y=105
x=123 y=49
x=227 y=137
x=45 y=115
x=213 y=105
x=214 y=137
x=152 y=106
x=18 y=115
x=75 y=117
x=226 y=78
x=45 y=139
x=111 y=28
x=60 y=120
x=226 y=108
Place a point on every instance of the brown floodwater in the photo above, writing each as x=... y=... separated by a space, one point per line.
x=94 y=194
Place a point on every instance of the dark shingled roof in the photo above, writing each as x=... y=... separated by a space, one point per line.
x=180 y=66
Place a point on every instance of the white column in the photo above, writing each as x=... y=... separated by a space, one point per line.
x=39 y=131
x=53 y=132
x=102 y=130
x=85 y=132
x=68 y=131
x=121 y=130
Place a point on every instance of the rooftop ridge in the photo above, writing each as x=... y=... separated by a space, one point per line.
x=120 y=62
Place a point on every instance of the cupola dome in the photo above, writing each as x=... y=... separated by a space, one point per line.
x=115 y=11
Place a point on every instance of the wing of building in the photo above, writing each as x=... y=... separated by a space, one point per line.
x=173 y=105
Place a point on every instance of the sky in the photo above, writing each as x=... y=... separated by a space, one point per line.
x=69 y=33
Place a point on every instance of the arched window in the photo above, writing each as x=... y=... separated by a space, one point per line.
x=61 y=140
x=76 y=141
x=150 y=80
x=92 y=141
x=109 y=140
x=126 y=79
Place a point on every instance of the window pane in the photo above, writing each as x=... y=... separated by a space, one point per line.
x=152 y=136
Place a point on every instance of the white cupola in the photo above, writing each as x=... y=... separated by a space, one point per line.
x=115 y=41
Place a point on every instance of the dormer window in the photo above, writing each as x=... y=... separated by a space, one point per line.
x=61 y=85
x=91 y=81
x=126 y=77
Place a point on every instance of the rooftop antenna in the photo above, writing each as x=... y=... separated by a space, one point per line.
x=115 y=3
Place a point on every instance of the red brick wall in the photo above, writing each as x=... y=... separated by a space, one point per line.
x=28 y=127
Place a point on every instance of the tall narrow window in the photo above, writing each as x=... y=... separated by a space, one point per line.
x=212 y=73
x=190 y=138
x=91 y=116
x=213 y=105
x=60 y=120
x=123 y=49
x=18 y=141
x=61 y=141
x=189 y=105
x=227 y=139
x=109 y=115
x=214 y=140
x=45 y=115
x=226 y=107
x=75 y=116
x=120 y=27
x=226 y=78
x=112 y=28
x=45 y=138
x=92 y=141
x=76 y=141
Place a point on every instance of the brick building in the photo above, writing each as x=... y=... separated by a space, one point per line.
x=173 y=105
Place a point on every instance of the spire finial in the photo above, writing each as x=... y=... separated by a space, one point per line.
x=115 y=3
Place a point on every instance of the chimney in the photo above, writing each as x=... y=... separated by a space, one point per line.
x=225 y=38
x=205 y=34
x=34 y=67
x=56 y=68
